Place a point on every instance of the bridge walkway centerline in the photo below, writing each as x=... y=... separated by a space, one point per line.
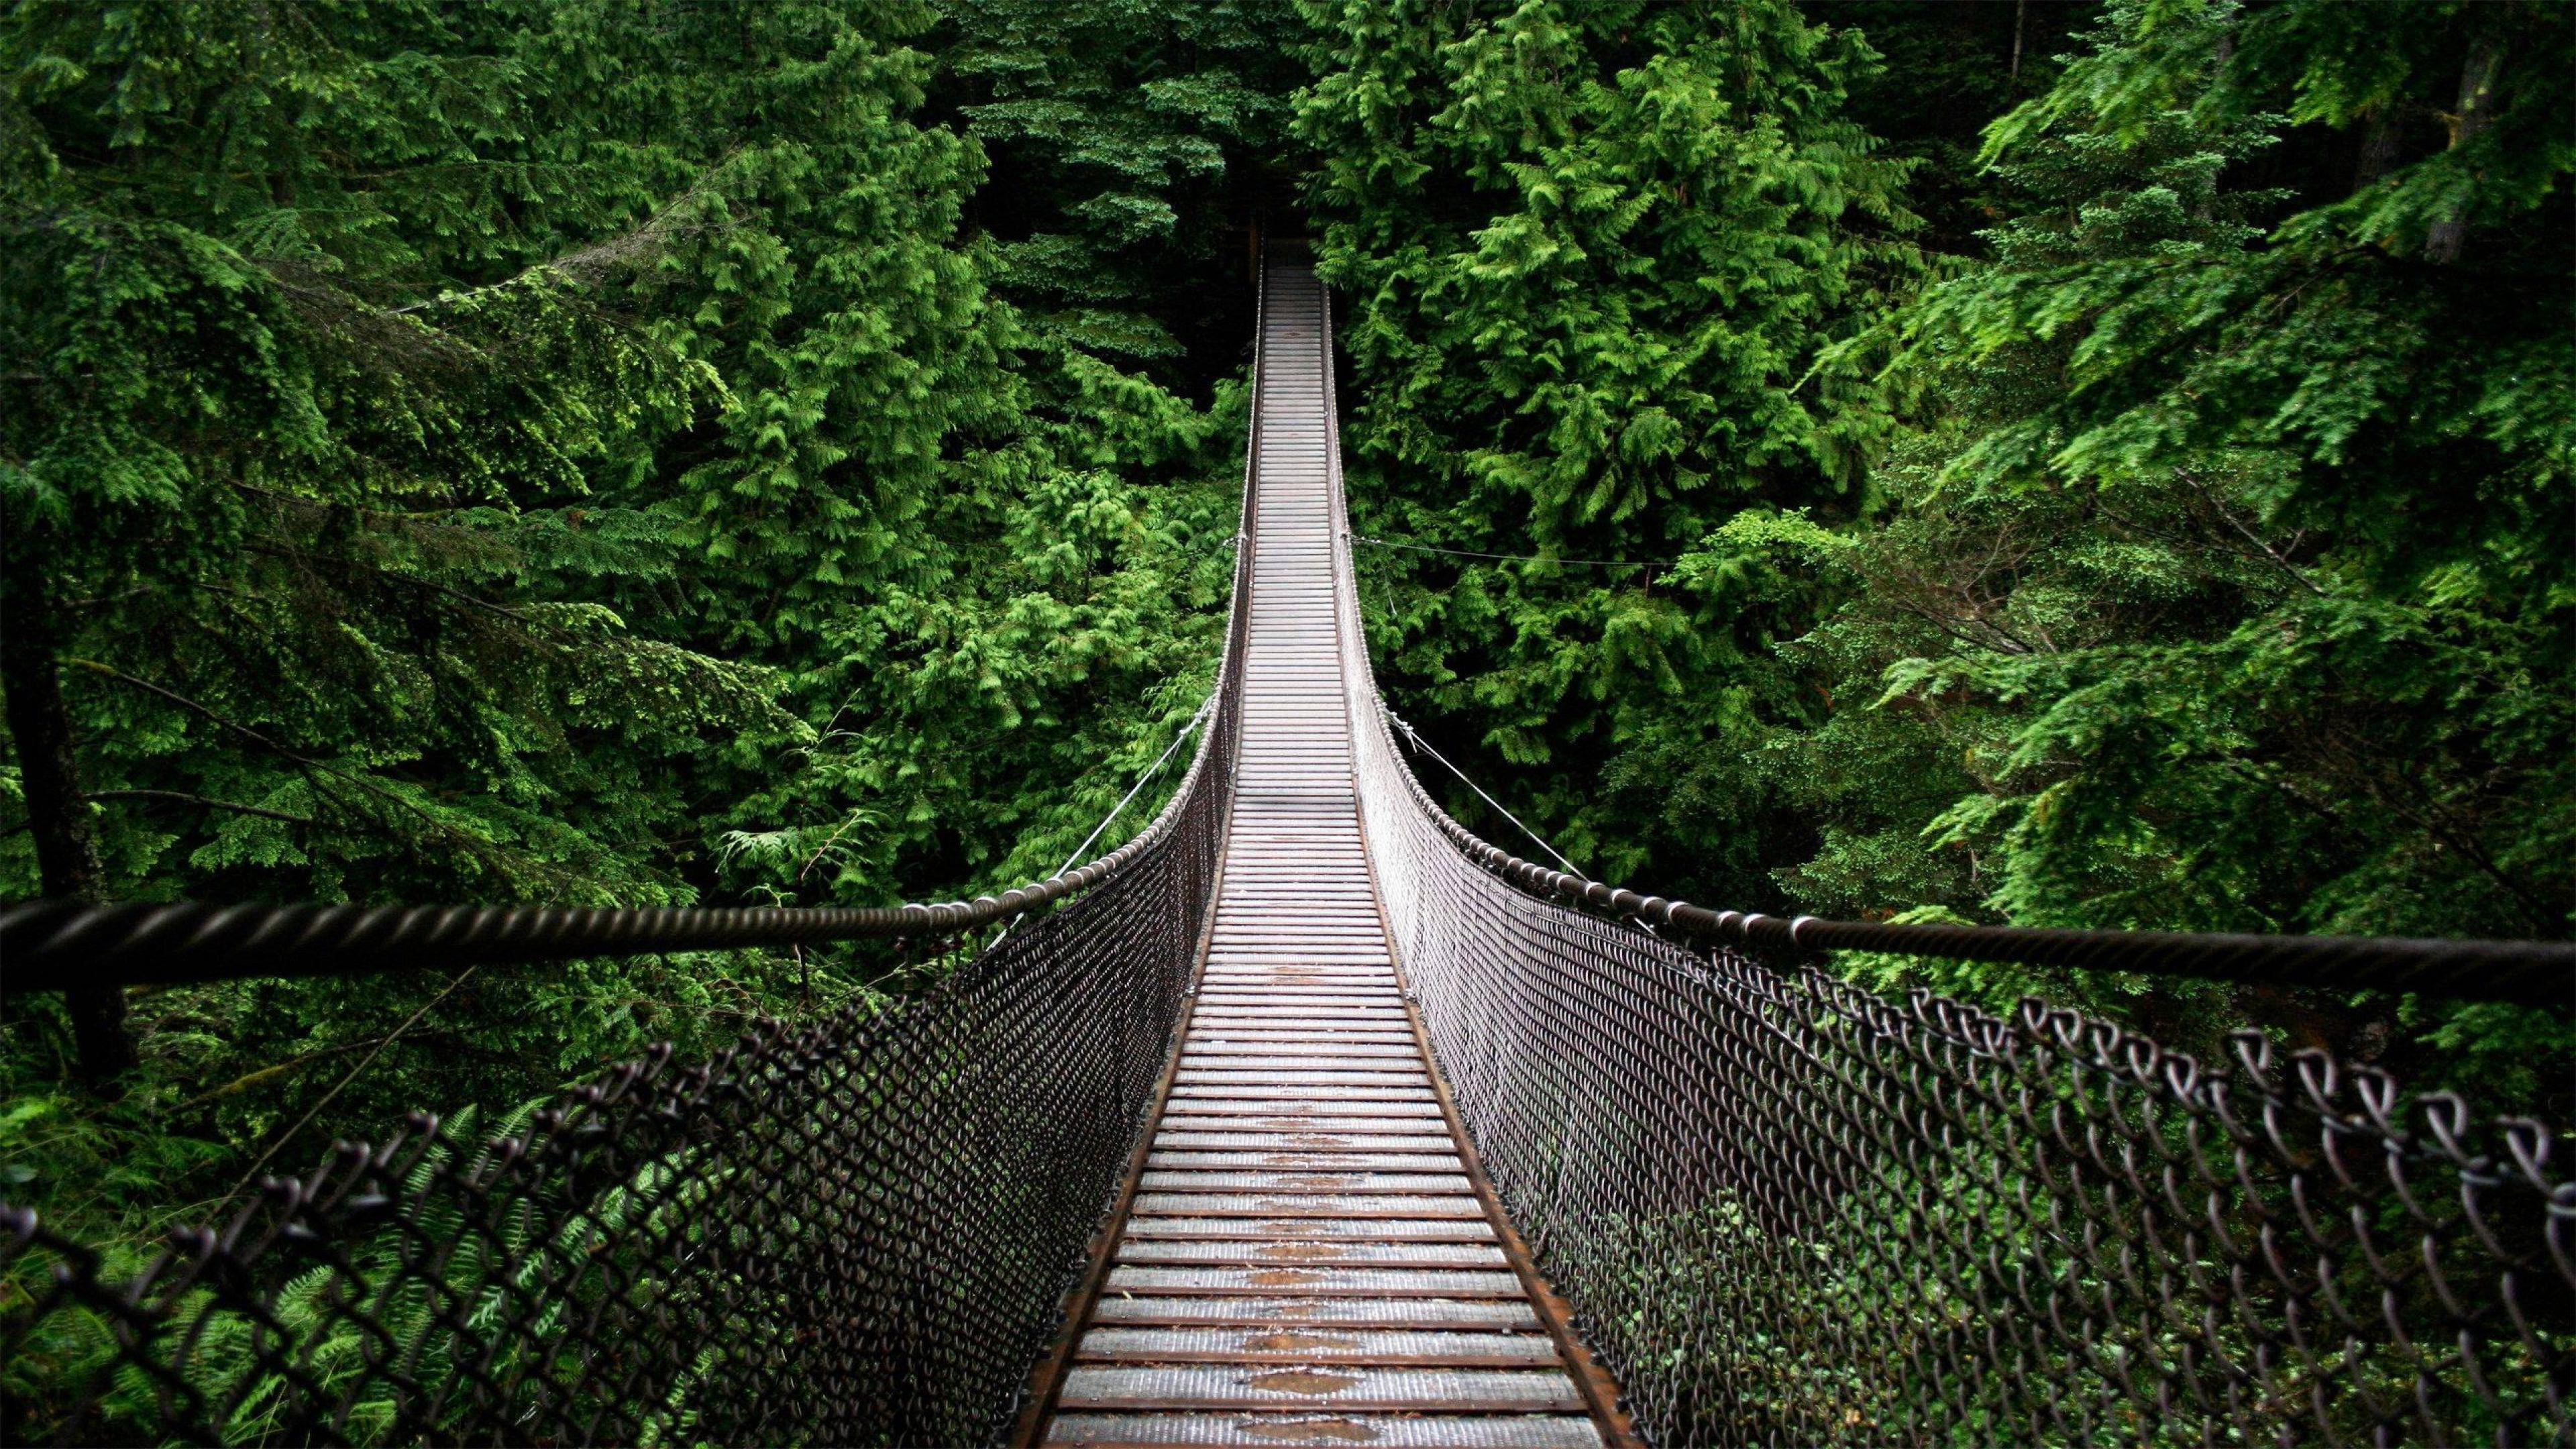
x=1308 y=1255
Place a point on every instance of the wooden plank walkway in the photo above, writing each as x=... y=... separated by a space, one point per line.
x=1307 y=1258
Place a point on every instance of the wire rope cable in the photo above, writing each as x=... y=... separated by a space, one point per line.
x=1414 y=738
x=1197 y=718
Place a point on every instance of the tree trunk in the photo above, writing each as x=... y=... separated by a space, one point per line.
x=2378 y=154
x=2477 y=107
x=57 y=815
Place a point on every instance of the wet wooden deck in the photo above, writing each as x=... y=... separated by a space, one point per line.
x=1308 y=1257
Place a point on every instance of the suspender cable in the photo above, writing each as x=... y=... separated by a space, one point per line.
x=1423 y=746
x=1141 y=781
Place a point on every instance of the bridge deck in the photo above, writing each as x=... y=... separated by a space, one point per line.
x=1307 y=1258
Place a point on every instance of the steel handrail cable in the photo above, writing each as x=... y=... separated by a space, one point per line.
x=2532 y=973
x=50 y=945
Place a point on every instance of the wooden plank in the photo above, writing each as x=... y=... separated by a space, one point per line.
x=1336 y=1430
x=1374 y=1346
x=1399 y=1390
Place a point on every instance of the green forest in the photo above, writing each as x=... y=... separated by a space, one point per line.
x=2014 y=461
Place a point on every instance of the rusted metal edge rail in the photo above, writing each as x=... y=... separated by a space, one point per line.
x=2531 y=973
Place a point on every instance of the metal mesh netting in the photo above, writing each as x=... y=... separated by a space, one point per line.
x=854 y=1232
x=1790 y=1212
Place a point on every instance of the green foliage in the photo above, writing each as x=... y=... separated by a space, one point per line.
x=2188 y=547
x=1947 y=69
x=1130 y=144
x=1594 y=254
x=2228 y=579
x=551 y=451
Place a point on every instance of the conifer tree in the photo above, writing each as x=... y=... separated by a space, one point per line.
x=2231 y=583
x=544 y=451
x=1131 y=145
x=1592 y=253
x=314 y=377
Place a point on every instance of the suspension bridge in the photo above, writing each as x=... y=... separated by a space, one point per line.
x=1308 y=1117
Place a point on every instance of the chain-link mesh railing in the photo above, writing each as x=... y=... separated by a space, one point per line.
x=1786 y=1211
x=857 y=1231
x=1791 y=1212
x=853 y=1232
x=860 y=1230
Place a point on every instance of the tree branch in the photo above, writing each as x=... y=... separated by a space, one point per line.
x=305 y=762
x=248 y=1080
x=200 y=800
x=342 y=1085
